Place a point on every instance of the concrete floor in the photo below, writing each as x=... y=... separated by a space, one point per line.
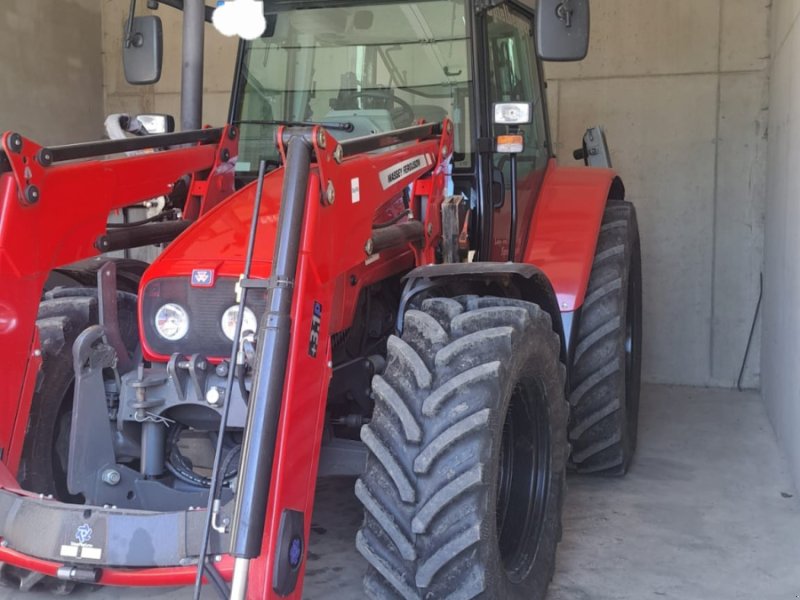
x=708 y=512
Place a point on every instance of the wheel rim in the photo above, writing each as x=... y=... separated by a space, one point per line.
x=523 y=480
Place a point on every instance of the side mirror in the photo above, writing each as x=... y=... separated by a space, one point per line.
x=157 y=124
x=143 y=50
x=562 y=30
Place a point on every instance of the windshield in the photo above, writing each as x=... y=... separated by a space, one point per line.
x=370 y=68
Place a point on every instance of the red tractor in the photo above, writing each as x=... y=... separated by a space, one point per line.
x=375 y=268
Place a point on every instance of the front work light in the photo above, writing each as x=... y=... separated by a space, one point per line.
x=172 y=322
x=512 y=113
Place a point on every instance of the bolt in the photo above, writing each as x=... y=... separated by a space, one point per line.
x=564 y=305
x=15 y=142
x=45 y=157
x=222 y=369
x=214 y=395
x=444 y=150
x=330 y=195
x=218 y=558
x=4 y=543
x=430 y=229
x=321 y=141
x=31 y=194
x=338 y=154
x=369 y=247
x=111 y=477
x=37 y=353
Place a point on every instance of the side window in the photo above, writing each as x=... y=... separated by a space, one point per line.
x=514 y=77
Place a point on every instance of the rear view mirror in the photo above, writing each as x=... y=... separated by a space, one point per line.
x=143 y=50
x=157 y=124
x=562 y=30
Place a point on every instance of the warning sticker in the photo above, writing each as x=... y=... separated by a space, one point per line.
x=355 y=190
x=401 y=170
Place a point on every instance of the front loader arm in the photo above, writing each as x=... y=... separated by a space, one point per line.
x=54 y=205
x=336 y=237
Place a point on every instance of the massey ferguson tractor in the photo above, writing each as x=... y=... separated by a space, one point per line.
x=375 y=268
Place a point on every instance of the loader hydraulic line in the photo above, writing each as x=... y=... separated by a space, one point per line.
x=271 y=360
x=213 y=500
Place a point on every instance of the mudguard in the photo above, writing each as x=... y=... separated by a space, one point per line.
x=510 y=280
x=563 y=233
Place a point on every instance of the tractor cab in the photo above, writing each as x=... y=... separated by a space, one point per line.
x=363 y=68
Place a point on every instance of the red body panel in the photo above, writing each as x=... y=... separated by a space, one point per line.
x=563 y=232
x=332 y=269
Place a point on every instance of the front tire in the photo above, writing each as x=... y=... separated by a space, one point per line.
x=467 y=450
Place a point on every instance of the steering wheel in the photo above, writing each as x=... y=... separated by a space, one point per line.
x=402 y=116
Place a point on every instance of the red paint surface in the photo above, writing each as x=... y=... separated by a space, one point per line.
x=566 y=222
x=70 y=217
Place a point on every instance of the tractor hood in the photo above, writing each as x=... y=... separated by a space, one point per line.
x=200 y=269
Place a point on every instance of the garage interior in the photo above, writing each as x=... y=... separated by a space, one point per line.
x=699 y=101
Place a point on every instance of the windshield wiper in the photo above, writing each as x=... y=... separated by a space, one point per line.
x=336 y=125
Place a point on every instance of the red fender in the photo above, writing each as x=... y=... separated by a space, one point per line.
x=566 y=223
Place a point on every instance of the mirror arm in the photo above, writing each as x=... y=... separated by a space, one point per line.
x=129 y=33
x=178 y=5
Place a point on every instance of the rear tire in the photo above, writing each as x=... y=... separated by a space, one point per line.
x=467 y=450
x=606 y=363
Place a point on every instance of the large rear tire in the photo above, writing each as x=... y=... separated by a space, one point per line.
x=606 y=363
x=467 y=451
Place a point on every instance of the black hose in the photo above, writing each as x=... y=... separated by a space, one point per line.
x=216 y=579
x=752 y=331
x=240 y=372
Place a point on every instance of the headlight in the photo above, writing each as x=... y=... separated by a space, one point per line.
x=172 y=322
x=250 y=323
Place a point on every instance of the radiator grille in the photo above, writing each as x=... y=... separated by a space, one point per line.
x=205 y=307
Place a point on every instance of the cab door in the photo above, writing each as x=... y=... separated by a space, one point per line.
x=514 y=75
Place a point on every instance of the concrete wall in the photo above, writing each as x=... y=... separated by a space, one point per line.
x=164 y=97
x=51 y=74
x=781 y=347
x=681 y=88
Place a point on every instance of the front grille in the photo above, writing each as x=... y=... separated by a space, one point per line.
x=205 y=307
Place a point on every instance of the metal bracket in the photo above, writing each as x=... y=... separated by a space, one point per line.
x=109 y=314
x=91 y=446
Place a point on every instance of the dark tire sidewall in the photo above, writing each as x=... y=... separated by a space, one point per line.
x=533 y=585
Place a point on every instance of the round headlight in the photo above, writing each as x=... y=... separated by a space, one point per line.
x=172 y=322
x=250 y=323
